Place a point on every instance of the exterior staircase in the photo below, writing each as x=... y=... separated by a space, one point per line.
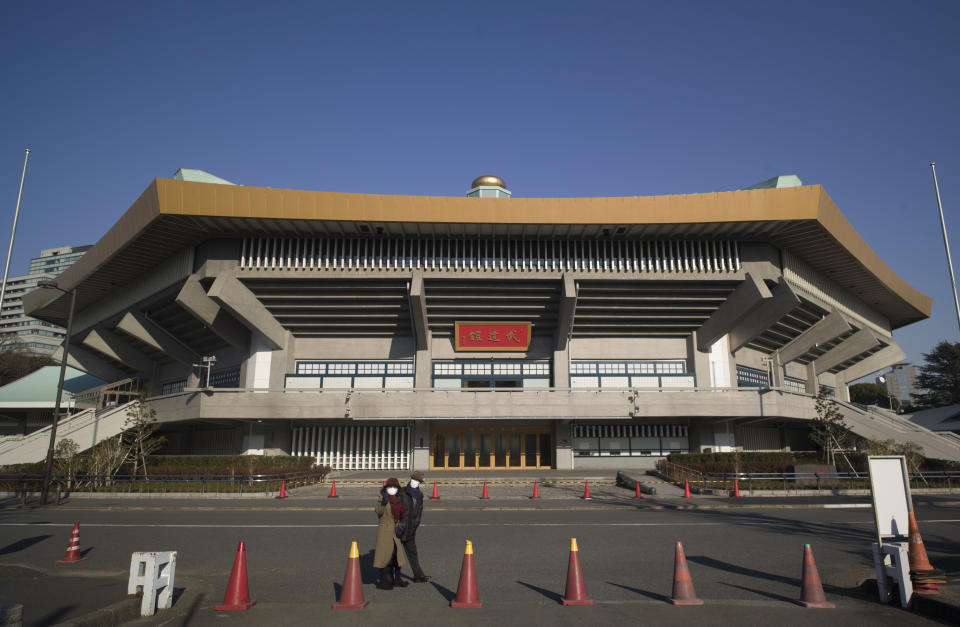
x=880 y=424
x=86 y=428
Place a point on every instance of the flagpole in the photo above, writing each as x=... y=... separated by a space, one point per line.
x=946 y=243
x=16 y=215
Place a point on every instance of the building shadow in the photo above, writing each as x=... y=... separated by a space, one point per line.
x=53 y=617
x=87 y=550
x=550 y=594
x=771 y=595
x=25 y=543
x=759 y=574
x=646 y=593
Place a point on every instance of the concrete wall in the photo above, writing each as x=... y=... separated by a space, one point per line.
x=615 y=463
x=355 y=348
x=541 y=347
x=628 y=348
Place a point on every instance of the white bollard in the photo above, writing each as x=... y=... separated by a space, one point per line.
x=152 y=571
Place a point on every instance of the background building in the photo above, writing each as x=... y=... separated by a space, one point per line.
x=485 y=331
x=23 y=333
x=900 y=382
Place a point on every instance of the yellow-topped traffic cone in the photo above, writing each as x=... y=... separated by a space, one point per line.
x=576 y=592
x=351 y=595
x=467 y=594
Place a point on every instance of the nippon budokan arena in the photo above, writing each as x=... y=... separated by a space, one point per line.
x=478 y=332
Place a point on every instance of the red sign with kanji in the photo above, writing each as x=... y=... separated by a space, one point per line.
x=492 y=336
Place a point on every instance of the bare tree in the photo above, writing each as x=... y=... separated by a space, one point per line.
x=65 y=460
x=107 y=457
x=140 y=433
x=828 y=428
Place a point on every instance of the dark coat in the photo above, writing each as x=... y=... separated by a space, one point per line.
x=412 y=513
x=387 y=538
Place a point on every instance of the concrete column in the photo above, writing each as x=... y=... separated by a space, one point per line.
x=563 y=452
x=698 y=362
x=424 y=370
x=561 y=367
x=812 y=387
x=421 y=446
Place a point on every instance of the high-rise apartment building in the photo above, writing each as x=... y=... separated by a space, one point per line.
x=21 y=332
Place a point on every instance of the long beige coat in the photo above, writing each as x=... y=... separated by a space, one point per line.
x=387 y=538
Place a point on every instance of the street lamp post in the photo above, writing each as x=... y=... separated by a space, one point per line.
x=45 y=488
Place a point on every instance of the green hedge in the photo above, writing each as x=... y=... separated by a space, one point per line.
x=200 y=465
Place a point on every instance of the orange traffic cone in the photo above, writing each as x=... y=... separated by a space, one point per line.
x=536 y=491
x=73 y=547
x=683 y=593
x=435 y=494
x=686 y=488
x=811 y=590
x=736 y=489
x=586 y=490
x=467 y=594
x=484 y=495
x=916 y=552
x=283 y=490
x=922 y=574
x=637 y=493
x=351 y=595
x=333 y=491
x=576 y=592
x=237 y=596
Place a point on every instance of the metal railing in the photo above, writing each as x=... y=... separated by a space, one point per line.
x=797 y=481
x=238 y=484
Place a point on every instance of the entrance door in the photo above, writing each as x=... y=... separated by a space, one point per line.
x=492 y=447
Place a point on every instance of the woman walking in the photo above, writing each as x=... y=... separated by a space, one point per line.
x=389 y=555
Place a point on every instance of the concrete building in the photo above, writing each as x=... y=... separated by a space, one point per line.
x=32 y=336
x=485 y=331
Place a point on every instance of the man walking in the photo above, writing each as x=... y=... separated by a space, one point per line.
x=413 y=510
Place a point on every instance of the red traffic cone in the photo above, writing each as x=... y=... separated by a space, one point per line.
x=237 y=596
x=686 y=488
x=736 y=489
x=435 y=494
x=467 y=594
x=333 y=491
x=916 y=552
x=683 y=593
x=637 y=493
x=576 y=591
x=484 y=495
x=351 y=595
x=586 y=490
x=811 y=590
x=283 y=490
x=536 y=491
x=72 y=555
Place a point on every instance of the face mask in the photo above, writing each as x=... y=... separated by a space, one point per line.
x=414 y=484
x=391 y=491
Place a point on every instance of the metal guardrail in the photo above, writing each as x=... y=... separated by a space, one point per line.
x=796 y=480
x=23 y=484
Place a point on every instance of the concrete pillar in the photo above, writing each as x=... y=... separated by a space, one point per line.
x=561 y=368
x=563 y=452
x=421 y=446
x=424 y=370
x=698 y=362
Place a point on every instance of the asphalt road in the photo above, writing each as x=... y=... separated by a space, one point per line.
x=745 y=563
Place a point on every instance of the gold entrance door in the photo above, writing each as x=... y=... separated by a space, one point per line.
x=484 y=447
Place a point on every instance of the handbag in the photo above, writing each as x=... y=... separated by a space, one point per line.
x=398 y=530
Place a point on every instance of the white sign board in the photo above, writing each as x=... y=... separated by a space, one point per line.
x=890 y=488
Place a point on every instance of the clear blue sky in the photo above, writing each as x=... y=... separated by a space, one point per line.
x=558 y=98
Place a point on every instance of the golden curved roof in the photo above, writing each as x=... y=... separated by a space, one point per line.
x=171 y=215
